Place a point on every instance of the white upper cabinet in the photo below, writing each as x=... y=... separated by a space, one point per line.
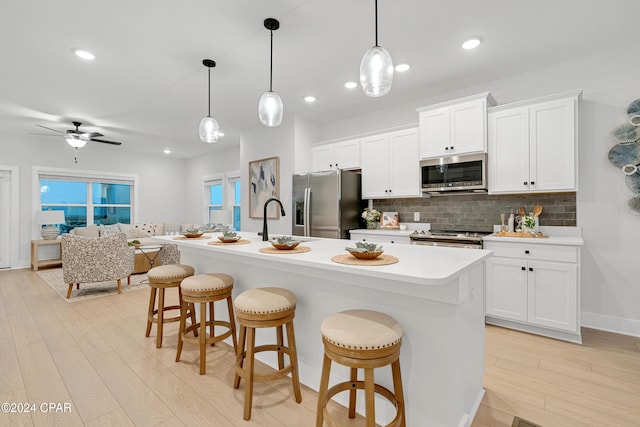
x=533 y=145
x=391 y=165
x=339 y=155
x=455 y=127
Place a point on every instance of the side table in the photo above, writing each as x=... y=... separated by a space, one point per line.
x=145 y=258
x=35 y=247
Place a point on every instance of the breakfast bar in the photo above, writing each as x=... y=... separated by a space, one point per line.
x=436 y=294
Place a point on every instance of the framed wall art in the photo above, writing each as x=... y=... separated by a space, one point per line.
x=264 y=183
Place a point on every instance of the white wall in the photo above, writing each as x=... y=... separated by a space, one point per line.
x=161 y=179
x=610 y=81
x=197 y=168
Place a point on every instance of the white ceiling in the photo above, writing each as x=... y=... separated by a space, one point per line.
x=148 y=87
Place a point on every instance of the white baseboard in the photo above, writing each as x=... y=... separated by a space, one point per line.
x=611 y=324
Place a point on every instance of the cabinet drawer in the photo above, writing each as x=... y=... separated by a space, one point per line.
x=534 y=251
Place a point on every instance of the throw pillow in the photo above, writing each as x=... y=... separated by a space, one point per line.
x=109 y=230
x=88 y=231
x=148 y=229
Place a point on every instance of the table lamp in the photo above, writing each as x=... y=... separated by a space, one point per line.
x=48 y=219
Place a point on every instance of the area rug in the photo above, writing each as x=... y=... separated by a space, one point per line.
x=53 y=277
x=519 y=422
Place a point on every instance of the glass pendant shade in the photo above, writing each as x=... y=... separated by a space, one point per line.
x=376 y=72
x=209 y=130
x=75 y=141
x=270 y=109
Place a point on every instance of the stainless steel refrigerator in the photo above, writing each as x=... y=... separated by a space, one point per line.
x=326 y=204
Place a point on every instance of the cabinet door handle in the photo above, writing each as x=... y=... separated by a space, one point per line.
x=527 y=252
x=336 y=165
x=364 y=240
x=523 y=269
x=451 y=148
x=446 y=148
x=533 y=183
x=525 y=183
x=392 y=241
x=530 y=268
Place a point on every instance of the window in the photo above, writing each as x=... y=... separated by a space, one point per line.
x=87 y=200
x=222 y=192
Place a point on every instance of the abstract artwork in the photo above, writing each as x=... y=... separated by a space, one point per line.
x=626 y=154
x=264 y=183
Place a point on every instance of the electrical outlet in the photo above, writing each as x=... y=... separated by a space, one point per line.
x=416 y=216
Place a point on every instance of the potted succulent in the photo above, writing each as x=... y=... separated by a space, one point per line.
x=371 y=217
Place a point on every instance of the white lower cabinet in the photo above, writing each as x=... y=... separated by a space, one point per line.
x=535 y=288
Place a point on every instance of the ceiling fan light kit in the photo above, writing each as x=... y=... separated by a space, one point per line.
x=209 y=129
x=270 y=107
x=376 y=68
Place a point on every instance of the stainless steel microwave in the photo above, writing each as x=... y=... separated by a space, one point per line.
x=467 y=173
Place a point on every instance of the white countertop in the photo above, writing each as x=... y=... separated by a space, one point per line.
x=423 y=265
x=571 y=236
x=379 y=232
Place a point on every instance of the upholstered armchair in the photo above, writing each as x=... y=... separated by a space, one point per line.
x=96 y=259
x=169 y=254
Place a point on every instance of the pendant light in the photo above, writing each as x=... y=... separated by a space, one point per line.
x=270 y=108
x=209 y=128
x=376 y=68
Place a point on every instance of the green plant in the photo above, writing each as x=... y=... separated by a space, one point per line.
x=529 y=221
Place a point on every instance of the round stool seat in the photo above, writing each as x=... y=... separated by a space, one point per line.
x=264 y=301
x=361 y=330
x=171 y=272
x=206 y=283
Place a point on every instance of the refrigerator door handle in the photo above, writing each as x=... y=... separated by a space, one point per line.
x=307 y=211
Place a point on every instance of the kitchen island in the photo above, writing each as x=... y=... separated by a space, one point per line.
x=437 y=294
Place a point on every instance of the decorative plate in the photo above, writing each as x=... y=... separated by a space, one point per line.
x=626 y=133
x=625 y=154
x=229 y=239
x=285 y=246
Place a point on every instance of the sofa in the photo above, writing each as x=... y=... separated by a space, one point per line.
x=142 y=233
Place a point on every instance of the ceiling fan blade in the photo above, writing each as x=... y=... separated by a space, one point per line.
x=54 y=130
x=106 y=142
x=43 y=134
x=90 y=135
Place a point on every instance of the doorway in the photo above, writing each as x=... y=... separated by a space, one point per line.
x=5 y=219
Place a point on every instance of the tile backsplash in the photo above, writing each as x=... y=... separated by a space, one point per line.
x=479 y=212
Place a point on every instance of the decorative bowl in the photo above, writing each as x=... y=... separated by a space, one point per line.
x=366 y=255
x=284 y=242
x=192 y=235
x=229 y=239
x=364 y=250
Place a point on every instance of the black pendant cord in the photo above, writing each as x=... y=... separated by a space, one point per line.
x=209 y=87
x=376 y=23
x=271 y=65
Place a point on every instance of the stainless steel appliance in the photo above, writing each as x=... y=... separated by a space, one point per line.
x=455 y=174
x=450 y=238
x=326 y=204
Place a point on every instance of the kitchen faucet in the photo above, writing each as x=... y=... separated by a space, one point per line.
x=265 y=233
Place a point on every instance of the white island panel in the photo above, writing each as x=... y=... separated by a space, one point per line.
x=436 y=294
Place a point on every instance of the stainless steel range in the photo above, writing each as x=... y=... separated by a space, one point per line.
x=450 y=238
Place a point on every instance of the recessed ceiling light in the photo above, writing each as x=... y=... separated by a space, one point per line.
x=84 y=54
x=471 y=43
x=220 y=134
x=351 y=85
x=167 y=151
x=310 y=99
x=401 y=68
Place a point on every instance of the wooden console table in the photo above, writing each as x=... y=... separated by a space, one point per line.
x=36 y=262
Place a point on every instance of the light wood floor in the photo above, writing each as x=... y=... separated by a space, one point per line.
x=93 y=355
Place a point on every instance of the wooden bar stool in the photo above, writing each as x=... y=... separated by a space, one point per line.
x=161 y=278
x=265 y=308
x=205 y=289
x=361 y=339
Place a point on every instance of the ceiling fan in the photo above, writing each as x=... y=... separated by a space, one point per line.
x=78 y=139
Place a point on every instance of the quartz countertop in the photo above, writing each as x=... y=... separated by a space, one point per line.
x=571 y=236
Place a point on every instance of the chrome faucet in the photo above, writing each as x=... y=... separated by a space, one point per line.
x=265 y=233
